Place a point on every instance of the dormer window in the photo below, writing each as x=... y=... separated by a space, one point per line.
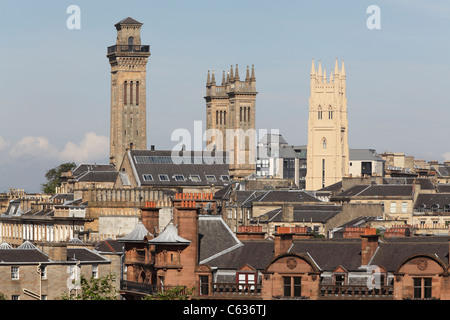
x=434 y=207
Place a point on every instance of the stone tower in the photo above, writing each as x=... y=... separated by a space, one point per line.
x=327 y=153
x=128 y=59
x=230 y=119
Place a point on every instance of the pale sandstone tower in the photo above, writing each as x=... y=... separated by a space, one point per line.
x=128 y=59
x=327 y=153
x=230 y=109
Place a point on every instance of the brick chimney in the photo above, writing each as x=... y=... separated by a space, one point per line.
x=283 y=240
x=369 y=243
x=150 y=217
x=250 y=233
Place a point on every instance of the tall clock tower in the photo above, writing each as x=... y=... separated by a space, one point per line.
x=128 y=59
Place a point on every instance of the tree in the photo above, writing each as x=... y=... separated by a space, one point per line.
x=54 y=176
x=175 y=293
x=95 y=289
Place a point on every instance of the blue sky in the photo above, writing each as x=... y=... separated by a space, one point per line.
x=54 y=84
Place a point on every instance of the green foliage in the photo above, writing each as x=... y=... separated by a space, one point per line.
x=95 y=289
x=53 y=177
x=2 y=296
x=175 y=293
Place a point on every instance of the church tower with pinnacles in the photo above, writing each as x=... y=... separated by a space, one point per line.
x=327 y=151
x=230 y=119
x=128 y=60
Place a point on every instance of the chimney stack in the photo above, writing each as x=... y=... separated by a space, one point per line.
x=150 y=217
x=369 y=244
x=287 y=213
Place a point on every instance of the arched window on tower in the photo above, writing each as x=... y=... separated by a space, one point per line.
x=319 y=113
x=225 y=117
x=125 y=93
x=217 y=117
x=137 y=93
x=248 y=115
x=240 y=114
x=324 y=143
x=130 y=43
x=131 y=92
x=330 y=113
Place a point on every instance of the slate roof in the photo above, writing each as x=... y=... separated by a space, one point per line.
x=429 y=199
x=308 y=213
x=22 y=256
x=443 y=170
x=384 y=190
x=425 y=183
x=84 y=255
x=443 y=187
x=333 y=187
x=256 y=253
x=328 y=254
x=392 y=252
x=364 y=154
x=272 y=138
x=109 y=246
x=83 y=168
x=156 y=162
x=285 y=196
x=215 y=238
x=98 y=176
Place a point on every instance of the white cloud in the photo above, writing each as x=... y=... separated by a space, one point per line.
x=91 y=148
x=3 y=144
x=30 y=146
x=446 y=156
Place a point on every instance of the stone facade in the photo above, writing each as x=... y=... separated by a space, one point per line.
x=327 y=151
x=230 y=119
x=128 y=59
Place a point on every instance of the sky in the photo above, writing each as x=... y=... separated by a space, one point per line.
x=55 y=80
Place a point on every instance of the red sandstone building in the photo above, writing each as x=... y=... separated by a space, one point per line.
x=201 y=252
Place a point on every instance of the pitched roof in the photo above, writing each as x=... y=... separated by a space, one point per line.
x=256 y=253
x=430 y=199
x=364 y=154
x=85 y=167
x=97 y=176
x=392 y=252
x=328 y=254
x=314 y=213
x=128 y=20
x=285 y=196
x=109 y=246
x=84 y=255
x=215 y=238
x=377 y=190
x=195 y=171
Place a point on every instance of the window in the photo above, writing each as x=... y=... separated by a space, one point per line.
x=163 y=177
x=211 y=178
x=324 y=143
x=323 y=173
x=319 y=115
x=225 y=178
x=393 y=207
x=95 y=271
x=422 y=207
x=137 y=93
x=339 y=279
x=125 y=93
x=404 y=207
x=246 y=280
x=447 y=208
x=292 y=286
x=195 y=178
x=15 y=297
x=130 y=43
x=14 y=273
x=147 y=177
x=434 y=207
x=422 y=288
x=204 y=285
x=179 y=177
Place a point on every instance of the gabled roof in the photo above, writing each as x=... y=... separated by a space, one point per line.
x=84 y=255
x=364 y=155
x=85 y=167
x=285 y=196
x=170 y=236
x=305 y=213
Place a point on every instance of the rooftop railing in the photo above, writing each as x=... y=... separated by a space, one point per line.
x=128 y=48
x=355 y=292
